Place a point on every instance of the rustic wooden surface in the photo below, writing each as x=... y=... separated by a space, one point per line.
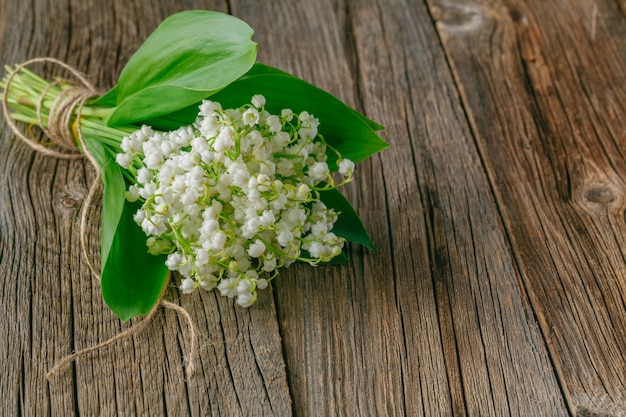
x=499 y=285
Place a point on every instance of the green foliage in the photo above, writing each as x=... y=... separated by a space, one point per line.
x=133 y=280
x=113 y=195
x=188 y=57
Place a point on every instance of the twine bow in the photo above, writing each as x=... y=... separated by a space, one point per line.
x=66 y=106
x=58 y=130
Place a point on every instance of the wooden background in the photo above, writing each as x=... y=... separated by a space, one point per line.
x=499 y=286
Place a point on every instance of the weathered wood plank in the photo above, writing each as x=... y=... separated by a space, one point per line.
x=51 y=302
x=543 y=84
x=435 y=322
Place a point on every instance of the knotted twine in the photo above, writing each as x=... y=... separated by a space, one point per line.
x=70 y=101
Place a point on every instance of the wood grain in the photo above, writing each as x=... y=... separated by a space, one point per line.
x=546 y=104
x=498 y=212
x=434 y=323
x=53 y=303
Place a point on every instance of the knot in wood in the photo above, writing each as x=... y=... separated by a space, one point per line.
x=69 y=199
x=459 y=17
x=599 y=195
x=69 y=202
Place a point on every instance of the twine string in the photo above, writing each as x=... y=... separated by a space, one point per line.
x=189 y=359
x=67 y=105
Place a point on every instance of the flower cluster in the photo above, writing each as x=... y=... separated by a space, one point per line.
x=235 y=196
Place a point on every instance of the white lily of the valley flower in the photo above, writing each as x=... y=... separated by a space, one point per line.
x=235 y=196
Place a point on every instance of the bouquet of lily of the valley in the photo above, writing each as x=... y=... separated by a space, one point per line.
x=213 y=165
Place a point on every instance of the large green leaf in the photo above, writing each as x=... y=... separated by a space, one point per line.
x=348 y=225
x=133 y=280
x=191 y=55
x=113 y=194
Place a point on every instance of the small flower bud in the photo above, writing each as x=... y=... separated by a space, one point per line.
x=346 y=167
x=256 y=249
x=124 y=160
x=188 y=285
x=258 y=100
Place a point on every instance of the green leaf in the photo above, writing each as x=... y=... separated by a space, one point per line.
x=113 y=194
x=343 y=128
x=133 y=281
x=348 y=224
x=108 y=99
x=190 y=56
